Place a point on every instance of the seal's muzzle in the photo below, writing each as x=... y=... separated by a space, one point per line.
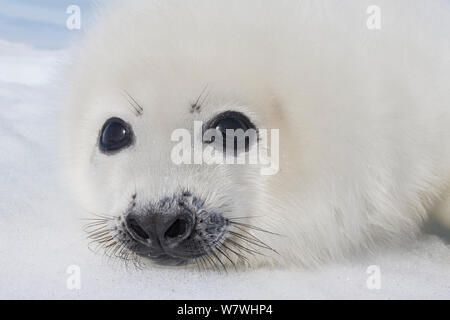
x=173 y=231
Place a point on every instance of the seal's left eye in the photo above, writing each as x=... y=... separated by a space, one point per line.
x=236 y=130
x=116 y=134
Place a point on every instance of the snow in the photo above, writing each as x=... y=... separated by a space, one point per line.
x=41 y=234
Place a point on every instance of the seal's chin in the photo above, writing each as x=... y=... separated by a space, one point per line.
x=165 y=259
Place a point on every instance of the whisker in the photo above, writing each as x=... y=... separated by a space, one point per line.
x=98 y=235
x=198 y=103
x=241 y=247
x=220 y=261
x=254 y=228
x=205 y=263
x=94 y=228
x=251 y=241
x=246 y=217
x=212 y=262
x=95 y=220
x=249 y=234
x=102 y=216
x=226 y=256
x=133 y=102
x=257 y=240
x=103 y=239
x=240 y=256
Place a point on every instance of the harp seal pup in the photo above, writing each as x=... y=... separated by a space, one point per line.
x=363 y=118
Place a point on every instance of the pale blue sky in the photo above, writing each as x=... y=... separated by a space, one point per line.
x=41 y=23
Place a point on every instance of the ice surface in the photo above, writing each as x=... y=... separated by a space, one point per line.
x=41 y=235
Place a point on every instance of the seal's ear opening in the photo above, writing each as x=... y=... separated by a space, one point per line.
x=235 y=128
x=115 y=135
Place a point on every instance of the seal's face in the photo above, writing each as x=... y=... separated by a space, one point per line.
x=181 y=224
x=155 y=207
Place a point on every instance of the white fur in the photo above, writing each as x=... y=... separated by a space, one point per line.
x=363 y=114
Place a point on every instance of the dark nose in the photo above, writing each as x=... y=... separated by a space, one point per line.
x=155 y=229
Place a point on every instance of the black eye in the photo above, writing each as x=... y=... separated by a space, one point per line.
x=232 y=120
x=116 y=134
x=232 y=123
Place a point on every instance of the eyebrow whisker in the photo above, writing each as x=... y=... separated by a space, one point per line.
x=137 y=107
x=200 y=100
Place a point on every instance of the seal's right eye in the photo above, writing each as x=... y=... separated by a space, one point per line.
x=116 y=134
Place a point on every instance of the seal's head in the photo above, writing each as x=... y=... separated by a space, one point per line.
x=139 y=103
x=155 y=76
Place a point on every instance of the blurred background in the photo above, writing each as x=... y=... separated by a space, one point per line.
x=42 y=24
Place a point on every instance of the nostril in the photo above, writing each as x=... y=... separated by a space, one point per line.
x=177 y=229
x=137 y=229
